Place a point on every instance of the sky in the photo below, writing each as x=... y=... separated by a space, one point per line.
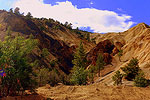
x=99 y=16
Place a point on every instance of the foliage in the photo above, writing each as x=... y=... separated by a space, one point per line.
x=131 y=69
x=54 y=78
x=88 y=36
x=11 y=10
x=79 y=74
x=8 y=31
x=52 y=63
x=16 y=11
x=117 y=78
x=45 y=53
x=79 y=57
x=15 y=63
x=93 y=40
x=29 y=16
x=43 y=76
x=120 y=54
x=99 y=63
x=140 y=80
x=91 y=73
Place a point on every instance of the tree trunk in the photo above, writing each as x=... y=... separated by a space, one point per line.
x=98 y=71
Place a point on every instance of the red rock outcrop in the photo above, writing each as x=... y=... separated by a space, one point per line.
x=105 y=48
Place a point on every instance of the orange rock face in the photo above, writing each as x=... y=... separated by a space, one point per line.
x=105 y=48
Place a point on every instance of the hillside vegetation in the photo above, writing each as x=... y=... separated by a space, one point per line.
x=39 y=51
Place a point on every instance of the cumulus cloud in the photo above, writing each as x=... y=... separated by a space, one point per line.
x=97 y=20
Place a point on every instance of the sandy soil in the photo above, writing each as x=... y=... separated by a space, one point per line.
x=94 y=92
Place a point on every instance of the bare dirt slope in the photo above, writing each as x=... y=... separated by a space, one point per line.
x=134 y=43
x=94 y=92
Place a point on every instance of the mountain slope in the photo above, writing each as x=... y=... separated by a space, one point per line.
x=60 y=40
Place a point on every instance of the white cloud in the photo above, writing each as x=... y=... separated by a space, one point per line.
x=97 y=20
x=91 y=2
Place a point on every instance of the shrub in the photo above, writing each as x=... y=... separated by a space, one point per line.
x=140 y=80
x=54 y=78
x=43 y=76
x=131 y=69
x=79 y=76
x=14 y=61
x=117 y=78
x=120 y=54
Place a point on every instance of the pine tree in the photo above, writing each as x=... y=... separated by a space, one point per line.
x=29 y=16
x=120 y=54
x=140 y=80
x=79 y=74
x=99 y=63
x=15 y=63
x=11 y=10
x=131 y=69
x=79 y=57
x=16 y=11
x=117 y=78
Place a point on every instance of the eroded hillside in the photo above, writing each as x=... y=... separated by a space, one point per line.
x=60 y=40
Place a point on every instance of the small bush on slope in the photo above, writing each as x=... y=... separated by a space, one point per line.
x=131 y=69
x=117 y=78
x=140 y=80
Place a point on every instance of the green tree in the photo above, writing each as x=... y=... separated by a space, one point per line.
x=16 y=11
x=131 y=69
x=88 y=36
x=99 y=63
x=79 y=74
x=140 y=80
x=91 y=73
x=120 y=54
x=11 y=10
x=8 y=31
x=43 y=76
x=117 y=78
x=79 y=57
x=29 y=16
x=14 y=60
x=45 y=53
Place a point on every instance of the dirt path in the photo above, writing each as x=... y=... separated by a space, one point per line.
x=94 y=92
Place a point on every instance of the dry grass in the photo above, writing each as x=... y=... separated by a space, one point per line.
x=95 y=92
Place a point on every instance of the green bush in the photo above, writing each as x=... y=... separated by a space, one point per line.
x=117 y=78
x=131 y=69
x=54 y=78
x=14 y=60
x=43 y=76
x=140 y=80
x=79 y=76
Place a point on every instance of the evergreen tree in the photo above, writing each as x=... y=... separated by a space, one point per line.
x=88 y=36
x=131 y=69
x=117 y=78
x=120 y=54
x=11 y=10
x=16 y=11
x=99 y=63
x=29 y=16
x=140 y=80
x=79 y=57
x=45 y=53
x=15 y=63
x=79 y=74
x=8 y=31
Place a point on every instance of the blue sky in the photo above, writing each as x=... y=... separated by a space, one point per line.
x=96 y=15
